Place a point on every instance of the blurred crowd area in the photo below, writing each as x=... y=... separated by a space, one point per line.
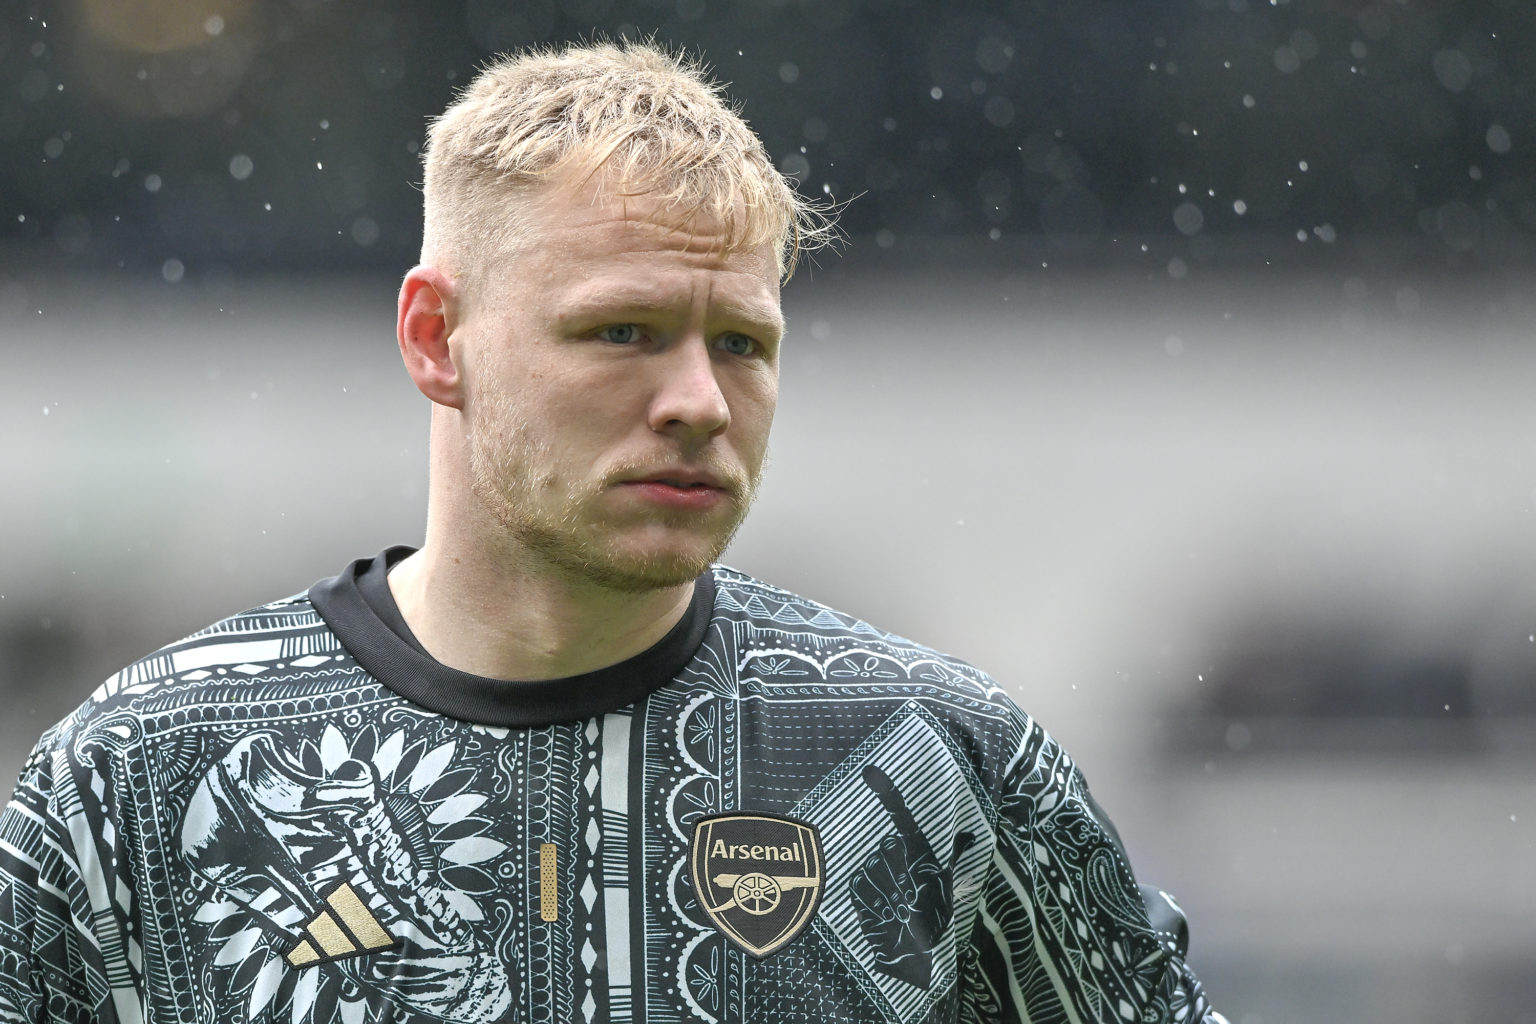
x=1177 y=371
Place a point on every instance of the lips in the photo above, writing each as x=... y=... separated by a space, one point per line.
x=683 y=479
x=681 y=491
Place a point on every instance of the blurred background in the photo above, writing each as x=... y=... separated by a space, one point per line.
x=1177 y=371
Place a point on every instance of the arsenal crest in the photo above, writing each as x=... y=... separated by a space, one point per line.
x=758 y=878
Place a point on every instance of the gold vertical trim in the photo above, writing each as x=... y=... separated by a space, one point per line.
x=355 y=915
x=549 y=883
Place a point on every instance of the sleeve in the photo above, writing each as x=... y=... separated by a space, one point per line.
x=49 y=956
x=1064 y=932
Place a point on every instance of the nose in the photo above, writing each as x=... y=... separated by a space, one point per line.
x=688 y=401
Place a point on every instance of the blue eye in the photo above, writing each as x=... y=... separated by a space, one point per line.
x=737 y=344
x=620 y=334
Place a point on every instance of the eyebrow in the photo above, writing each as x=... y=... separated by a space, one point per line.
x=596 y=301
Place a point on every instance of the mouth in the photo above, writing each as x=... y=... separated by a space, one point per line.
x=680 y=490
x=684 y=480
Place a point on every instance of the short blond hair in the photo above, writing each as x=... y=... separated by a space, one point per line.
x=651 y=121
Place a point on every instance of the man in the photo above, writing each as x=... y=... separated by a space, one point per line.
x=555 y=765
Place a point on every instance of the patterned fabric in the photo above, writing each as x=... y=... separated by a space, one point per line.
x=248 y=826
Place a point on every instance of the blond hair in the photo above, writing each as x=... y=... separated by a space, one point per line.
x=649 y=120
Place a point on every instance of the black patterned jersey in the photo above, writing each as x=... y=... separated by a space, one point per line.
x=777 y=814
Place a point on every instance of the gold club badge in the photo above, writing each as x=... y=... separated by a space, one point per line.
x=758 y=877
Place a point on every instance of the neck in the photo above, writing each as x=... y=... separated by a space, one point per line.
x=477 y=615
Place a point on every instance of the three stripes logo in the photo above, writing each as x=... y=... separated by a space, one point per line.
x=346 y=928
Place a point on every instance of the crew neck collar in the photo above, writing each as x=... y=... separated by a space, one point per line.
x=361 y=611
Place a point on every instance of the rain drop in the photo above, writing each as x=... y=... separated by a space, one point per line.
x=1188 y=218
x=173 y=270
x=1453 y=69
x=365 y=231
x=241 y=166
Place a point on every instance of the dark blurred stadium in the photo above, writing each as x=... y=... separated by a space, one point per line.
x=235 y=134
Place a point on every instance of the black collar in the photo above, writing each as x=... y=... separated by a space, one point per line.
x=361 y=611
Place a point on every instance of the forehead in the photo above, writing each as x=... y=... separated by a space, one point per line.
x=578 y=239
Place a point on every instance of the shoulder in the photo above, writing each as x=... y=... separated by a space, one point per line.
x=783 y=635
x=208 y=674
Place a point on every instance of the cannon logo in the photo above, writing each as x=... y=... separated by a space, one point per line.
x=758 y=877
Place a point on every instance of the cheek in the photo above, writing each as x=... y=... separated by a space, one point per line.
x=752 y=412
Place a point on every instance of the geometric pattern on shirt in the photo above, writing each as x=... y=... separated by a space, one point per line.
x=788 y=708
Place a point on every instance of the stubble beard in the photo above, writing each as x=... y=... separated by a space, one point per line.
x=510 y=473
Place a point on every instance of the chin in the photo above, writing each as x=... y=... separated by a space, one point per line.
x=654 y=557
x=641 y=567
x=637 y=575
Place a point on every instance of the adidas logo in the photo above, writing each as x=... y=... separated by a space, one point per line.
x=348 y=928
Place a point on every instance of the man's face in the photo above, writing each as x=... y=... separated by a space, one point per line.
x=621 y=374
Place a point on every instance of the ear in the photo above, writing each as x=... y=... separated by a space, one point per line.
x=429 y=311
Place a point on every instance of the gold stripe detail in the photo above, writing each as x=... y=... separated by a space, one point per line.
x=324 y=930
x=359 y=921
x=549 y=883
x=302 y=954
